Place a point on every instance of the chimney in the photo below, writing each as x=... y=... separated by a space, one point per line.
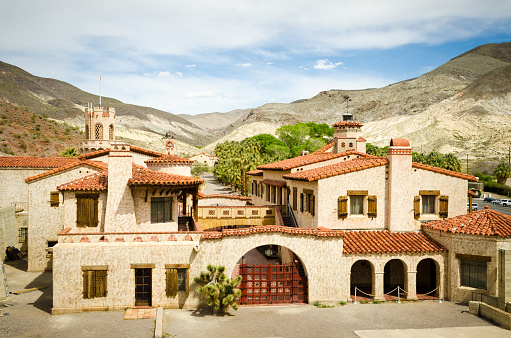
x=399 y=196
x=120 y=209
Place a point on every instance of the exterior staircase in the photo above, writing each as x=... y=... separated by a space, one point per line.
x=288 y=222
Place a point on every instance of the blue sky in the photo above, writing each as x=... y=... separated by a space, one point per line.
x=215 y=56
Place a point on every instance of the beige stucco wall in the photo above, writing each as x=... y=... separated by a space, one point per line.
x=329 y=190
x=323 y=274
x=12 y=184
x=46 y=221
x=172 y=168
x=469 y=245
x=70 y=216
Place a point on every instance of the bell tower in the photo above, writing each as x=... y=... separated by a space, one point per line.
x=99 y=129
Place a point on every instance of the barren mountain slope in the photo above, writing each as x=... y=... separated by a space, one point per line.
x=463 y=105
x=216 y=123
x=62 y=101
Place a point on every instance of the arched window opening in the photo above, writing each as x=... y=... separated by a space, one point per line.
x=111 y=132
x=99 y=131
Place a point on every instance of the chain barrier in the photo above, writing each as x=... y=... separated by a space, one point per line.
x=398 y=288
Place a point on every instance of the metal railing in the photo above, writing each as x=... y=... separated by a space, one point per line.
x=491 y=301
x=292 y=216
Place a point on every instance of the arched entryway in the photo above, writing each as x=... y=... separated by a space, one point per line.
x=271 y=274
x=394 y=276
x=427 y=280
x=362 y=277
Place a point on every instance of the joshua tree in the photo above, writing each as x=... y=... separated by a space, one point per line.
x=220 y=291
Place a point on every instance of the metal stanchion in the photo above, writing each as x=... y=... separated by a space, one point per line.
x=398 y=298
x=355 y=302
x=439 y=295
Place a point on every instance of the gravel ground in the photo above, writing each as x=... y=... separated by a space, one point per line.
x=28 y=314
x=309 y=321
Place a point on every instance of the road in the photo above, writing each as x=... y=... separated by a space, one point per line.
x=496 y=207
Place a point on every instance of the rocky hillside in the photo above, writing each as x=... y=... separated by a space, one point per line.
x=62 y=101
x=463 y=106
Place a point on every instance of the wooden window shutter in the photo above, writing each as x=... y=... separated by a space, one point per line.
x=301 y=202
x=342 y=206
x=80 y=212
x=444 y=207
x=295 y=197
x=54 y=198
x=372 y=206
x=171 y=282
x=417 y=207
x=312 y=205
x=99 y=283
x=187 y=281
x=86 y=284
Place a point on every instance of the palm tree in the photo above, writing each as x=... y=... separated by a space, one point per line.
x=502 y=172
x=451 y=162
x=69 y=152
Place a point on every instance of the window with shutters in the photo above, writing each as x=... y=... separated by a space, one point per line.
x=94 y=281
x=444 y=207
x=473 y=273
x=54 y=199
x=22 y=235
x=87 y=210
x=372 y=206
x=177 y=279
x=302 y=202
x=342 y=206
x=295 y=199
x=357 y=200
x=161 y=209
x=417 y=207
x=268 y=193
x=308 y=201
x=279 y=195
x=428 y=204
x=99 y=131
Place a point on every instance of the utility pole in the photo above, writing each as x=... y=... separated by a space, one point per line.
x=509 y=156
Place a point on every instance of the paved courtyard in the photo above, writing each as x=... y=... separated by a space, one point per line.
x=28 y=315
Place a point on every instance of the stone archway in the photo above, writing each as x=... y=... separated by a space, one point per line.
x=427 y=277
x=394 y=275
x=271 y=274
x=362 y=277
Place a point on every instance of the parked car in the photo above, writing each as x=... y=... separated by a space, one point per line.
x=475 y=206
x=496 y=201
x=489 y=199
x=505 y=202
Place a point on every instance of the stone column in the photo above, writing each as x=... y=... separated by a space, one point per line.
x=411 y=285
x=378 y=285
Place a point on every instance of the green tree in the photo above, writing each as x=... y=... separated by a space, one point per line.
x=220 y=291
x=69 y=152
x=451 y=162
x=502 y=172
x=199 y=168
x=293 y=135
x=371 y=149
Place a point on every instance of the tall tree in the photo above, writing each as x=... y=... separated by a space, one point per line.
x=502 y=172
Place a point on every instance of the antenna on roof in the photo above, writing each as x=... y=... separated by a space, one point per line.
x=100 y=86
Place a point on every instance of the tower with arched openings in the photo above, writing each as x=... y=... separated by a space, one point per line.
x=99 y=129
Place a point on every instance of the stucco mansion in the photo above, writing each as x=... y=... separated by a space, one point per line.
x=122 y=226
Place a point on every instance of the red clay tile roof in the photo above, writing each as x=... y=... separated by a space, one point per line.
x=347 y=124
x=276 y=183
x=444 y=171
x=95 y=164
x=384 y=241
x=94 y=182
x=255 y=172
x=319 y=232
x=132 y=148
x=168 y=159
x=361 y=139
x=324 y=148
x=308 y=159
x=337 y=169
x=144 y=176
x=141 y=176
x=484 y=222
x=35 y=162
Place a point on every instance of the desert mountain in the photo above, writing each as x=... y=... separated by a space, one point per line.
x=463 y=106
x=62 y=101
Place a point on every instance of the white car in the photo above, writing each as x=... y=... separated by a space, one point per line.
x=496 y=201
x=505 y=202
x=475 y=206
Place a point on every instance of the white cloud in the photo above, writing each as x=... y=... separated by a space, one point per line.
x=326 y=64
x=245 y=64
x=191 y=66
x=200 y=95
